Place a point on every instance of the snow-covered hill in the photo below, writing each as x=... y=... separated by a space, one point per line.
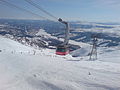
x=25 y=68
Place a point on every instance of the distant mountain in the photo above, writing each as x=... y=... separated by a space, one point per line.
x=31 y=31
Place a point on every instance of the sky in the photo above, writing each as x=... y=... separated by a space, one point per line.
x=71 y=10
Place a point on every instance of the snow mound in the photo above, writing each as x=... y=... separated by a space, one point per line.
x=43 y=33
x=10 y=45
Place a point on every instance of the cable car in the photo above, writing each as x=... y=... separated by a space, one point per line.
x=62 y=50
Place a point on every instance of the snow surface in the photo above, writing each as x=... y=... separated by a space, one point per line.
x=42 y=32
x=25 y=68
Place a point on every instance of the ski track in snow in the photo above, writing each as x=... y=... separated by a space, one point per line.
x=47 y=71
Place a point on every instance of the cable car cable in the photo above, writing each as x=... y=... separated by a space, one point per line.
x=40 y=8
x=22 y=9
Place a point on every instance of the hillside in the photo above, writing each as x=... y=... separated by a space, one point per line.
x=25 y=68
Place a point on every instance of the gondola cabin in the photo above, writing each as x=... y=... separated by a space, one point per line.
x=62 y=50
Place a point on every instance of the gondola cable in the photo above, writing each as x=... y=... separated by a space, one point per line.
x=40 y=8
x=22 y=9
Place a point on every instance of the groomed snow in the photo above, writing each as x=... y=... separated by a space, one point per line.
x=20 y=69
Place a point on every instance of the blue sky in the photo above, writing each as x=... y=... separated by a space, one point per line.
x=83 y=10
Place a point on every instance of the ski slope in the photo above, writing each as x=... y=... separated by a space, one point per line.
x=20 y=69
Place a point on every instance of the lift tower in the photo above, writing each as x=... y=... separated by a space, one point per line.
x=93 y=53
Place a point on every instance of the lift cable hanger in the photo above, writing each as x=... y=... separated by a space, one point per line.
x=63 y=49
x=40 y=8
x=22 y=9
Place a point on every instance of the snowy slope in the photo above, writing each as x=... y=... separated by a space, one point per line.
x=10 y=45
x=47 y=71
x=42 y=32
